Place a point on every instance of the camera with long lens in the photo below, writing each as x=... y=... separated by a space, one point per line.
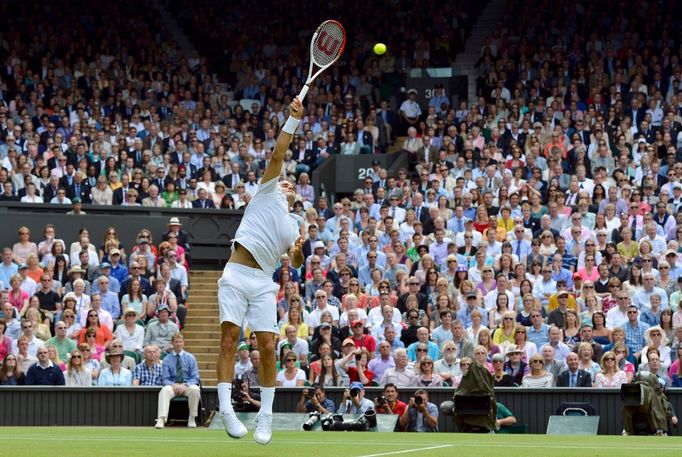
x=312 y=420
x=381 y=401
x=418 y=400
x=354 y=392
x=327 y=421
x=363 y=424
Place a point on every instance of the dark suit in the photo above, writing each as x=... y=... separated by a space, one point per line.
x=49 y=193
x=208 y=203
x=228 y=180
x=583 y=379
x=83 y=192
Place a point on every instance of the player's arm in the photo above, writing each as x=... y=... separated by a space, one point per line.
x=296 y=253
x=274 y=168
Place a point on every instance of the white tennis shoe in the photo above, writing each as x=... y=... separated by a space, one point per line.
x=233 y=426
x=263 y=433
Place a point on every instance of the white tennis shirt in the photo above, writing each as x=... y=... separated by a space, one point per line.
x=268 y=229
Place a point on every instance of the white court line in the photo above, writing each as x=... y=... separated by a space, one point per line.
x=407 y=451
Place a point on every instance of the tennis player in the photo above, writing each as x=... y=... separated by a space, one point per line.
x=246 y=291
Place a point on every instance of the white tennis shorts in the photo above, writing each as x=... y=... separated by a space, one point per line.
x=246 y=293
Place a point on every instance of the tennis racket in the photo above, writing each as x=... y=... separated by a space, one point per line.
x=326 y=47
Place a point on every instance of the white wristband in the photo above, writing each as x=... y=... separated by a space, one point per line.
x=291 y=125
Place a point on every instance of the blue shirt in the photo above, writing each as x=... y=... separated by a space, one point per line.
x=6 y=273
x=634 y=336
x=110 y=303
x=119 y=272
x=464 y=316
x=432 y=351
x=189 y=367
x=109 y=379
x=539 y=337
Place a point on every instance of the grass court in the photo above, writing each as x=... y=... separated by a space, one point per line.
x=177 y=441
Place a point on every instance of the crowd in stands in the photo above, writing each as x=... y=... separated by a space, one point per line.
x=536 y=232
x=82 y=314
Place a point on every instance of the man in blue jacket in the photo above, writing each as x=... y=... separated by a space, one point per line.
x=179 y=376
x=44 y=372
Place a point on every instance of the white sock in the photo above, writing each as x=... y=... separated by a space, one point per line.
x=267 y=397
x=225 y=397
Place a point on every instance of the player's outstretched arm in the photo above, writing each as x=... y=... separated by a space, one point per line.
x=274 y=168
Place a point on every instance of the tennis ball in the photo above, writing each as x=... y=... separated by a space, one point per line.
x=379 y=49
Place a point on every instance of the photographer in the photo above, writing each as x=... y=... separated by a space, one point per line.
x=315 y=400
x=389 y=403
x=420 y=415
x=354 y=400
x=243 y=400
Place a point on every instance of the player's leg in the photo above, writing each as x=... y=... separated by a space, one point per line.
x=262 y=317
x=232 y=310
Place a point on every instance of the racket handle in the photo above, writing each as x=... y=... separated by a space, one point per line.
x=303 y=93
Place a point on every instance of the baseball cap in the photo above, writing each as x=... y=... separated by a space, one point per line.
x=23 y=266
x=325 y=325
x=105 y=265
x=243 y=346
x=162 y=308
x=356 y=322
x=348 y=341
x=471 y=294
x=563 y=293
x=114 y=251
x=318 y=244
x=412 y=91
x=670 y=252
x=356 y=385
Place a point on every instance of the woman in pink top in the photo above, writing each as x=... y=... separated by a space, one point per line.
x=589 y=272
x=610 y=375
x=17 y=297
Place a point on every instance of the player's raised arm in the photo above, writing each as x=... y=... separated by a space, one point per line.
x=274 y=168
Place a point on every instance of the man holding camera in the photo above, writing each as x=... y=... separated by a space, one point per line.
x=242 y=398
x=354 y=401
x=389 y=403
x=315 y=400
x=420 y=415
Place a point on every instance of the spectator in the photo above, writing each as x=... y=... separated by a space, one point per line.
x=10 y=373
x=115 y=375
x=149 y=371
x=44 y=372
x=61 y=341
x=160 y=332
x=402 y=375
x=574 y=376
x=131 y=334
x=77 y=374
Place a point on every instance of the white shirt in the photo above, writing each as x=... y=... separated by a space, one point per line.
x=134 y=342
x=268 y=229
x=314 y=317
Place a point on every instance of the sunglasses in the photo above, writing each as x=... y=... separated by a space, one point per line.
x=464 y=364
x=421 y=350
x=76 y=357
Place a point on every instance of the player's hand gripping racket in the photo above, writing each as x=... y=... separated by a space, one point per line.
x=326 y=47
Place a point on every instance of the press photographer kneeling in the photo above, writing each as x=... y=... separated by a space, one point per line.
x=354 y=401
x=243 y=399
x=420 y=415
x=389 y=403
x=315 y=400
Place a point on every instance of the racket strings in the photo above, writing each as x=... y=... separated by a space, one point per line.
x=328 y=44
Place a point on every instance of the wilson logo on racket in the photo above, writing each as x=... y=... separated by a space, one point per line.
x=327 y=43
x=326 y=47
